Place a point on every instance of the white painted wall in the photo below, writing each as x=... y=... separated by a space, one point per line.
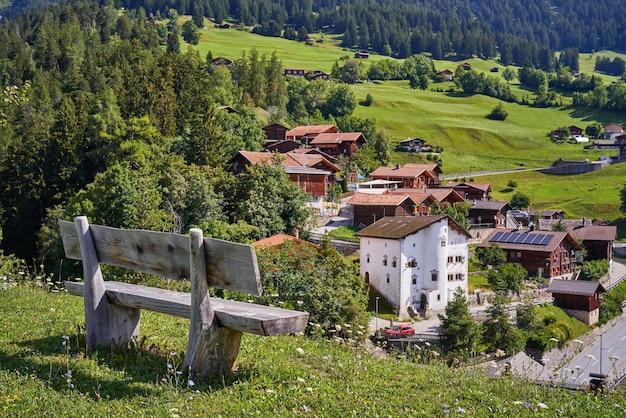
x=396 y=283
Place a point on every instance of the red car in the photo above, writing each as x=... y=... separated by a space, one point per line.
x=399 y=331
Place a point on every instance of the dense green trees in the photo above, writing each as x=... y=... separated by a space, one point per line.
x=319 y=281
x=458 y=326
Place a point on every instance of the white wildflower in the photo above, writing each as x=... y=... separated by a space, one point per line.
x=300 y=351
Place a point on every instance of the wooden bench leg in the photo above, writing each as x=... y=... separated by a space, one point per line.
x=211 y=349
x=105 y=323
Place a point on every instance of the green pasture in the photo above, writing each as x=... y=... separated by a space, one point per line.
x=590 y=195
x=232 y=43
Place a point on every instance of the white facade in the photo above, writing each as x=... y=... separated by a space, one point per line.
x=424 y=266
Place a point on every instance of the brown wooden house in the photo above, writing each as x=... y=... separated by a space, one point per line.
x=313 y=173
x=306 y=133
x=368 y=208
x=275 y=132
x=410 y=175
x=597 y=239
x=579 y=298
x=547 y=253
x=336 y=144
x=471 y=191
x=282 y=146
x=362 y=54
x=489 y=213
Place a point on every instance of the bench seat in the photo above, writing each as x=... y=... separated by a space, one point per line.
x=241 y=316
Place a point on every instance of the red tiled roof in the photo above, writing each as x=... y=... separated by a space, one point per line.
x=366 y=199
x=278 y=239
x=337 y=138
x=309 y=129
x=289 y=159
x=397 y=172
x=480 y=186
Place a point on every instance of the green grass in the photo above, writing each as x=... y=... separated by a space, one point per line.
x=273 y=378
x=577 y=327
x=592 y=195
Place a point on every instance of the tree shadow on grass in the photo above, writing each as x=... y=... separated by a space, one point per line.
x=108 y=372
x=590 y=114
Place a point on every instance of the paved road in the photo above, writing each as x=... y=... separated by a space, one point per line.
x=606 y=356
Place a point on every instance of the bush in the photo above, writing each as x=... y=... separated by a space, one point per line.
x=498 y=113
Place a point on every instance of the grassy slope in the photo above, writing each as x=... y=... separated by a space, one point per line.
x=273 y=379
x=457 y=122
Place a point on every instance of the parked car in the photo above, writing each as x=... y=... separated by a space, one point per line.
x=399 y=331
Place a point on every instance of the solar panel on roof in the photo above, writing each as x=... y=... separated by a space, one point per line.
x=546 y=240
x=497 y=236
x=521 y=238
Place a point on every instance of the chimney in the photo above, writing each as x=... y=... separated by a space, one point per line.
x=397 y=166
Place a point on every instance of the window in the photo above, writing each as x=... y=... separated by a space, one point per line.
x=450 y=277
x=384 y=260
x=438 y=298
x=443 y=241
x=459 y=259
x=414 y=277
x=388 y=277
x=519 y=254
x=368 y=258
x=459 y=276
x=450 y=259
x=367 y=277
x=394 y=262
x=433 y=275
x=411 y=262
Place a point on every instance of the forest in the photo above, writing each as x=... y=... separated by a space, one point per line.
x=521 y=31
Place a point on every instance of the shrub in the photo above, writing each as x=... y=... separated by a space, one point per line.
x=498 y=113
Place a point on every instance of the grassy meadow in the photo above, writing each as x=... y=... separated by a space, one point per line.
x=46 y=371
x=472 y=143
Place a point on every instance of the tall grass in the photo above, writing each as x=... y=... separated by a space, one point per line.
x=283 y=376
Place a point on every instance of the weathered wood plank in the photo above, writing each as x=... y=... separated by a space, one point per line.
x=242 y=316
x=231 y=265
x=211 y=348
x=105 y=323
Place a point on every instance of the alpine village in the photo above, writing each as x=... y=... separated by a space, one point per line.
x=319 y=208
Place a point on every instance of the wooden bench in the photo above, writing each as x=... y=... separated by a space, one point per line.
x=112 y=309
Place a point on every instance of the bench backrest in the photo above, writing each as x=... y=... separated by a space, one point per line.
x=229 y=266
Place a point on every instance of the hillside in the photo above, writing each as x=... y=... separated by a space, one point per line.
x=282 y=376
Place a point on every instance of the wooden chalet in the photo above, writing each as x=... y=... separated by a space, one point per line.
x=312 y=172
x=471 y=191
x=275 y=132
x=554 y=214
x=547 y=253
x=597 y=239
x=446 y=74
x=335 y=144
x=306 y=133
x=579 y=298
x=575 y=130
x=362 y=54
x=466 y=66
x=613 y=130
x=412 y=144
x=319 y=75
x=368 y=208
x=282 y=146
x=223 y=61
x=295 y=72
x=410 y=175
x=426 y=198
x=489 y=213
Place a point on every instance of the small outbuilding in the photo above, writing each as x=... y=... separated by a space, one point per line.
x=579 y=298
